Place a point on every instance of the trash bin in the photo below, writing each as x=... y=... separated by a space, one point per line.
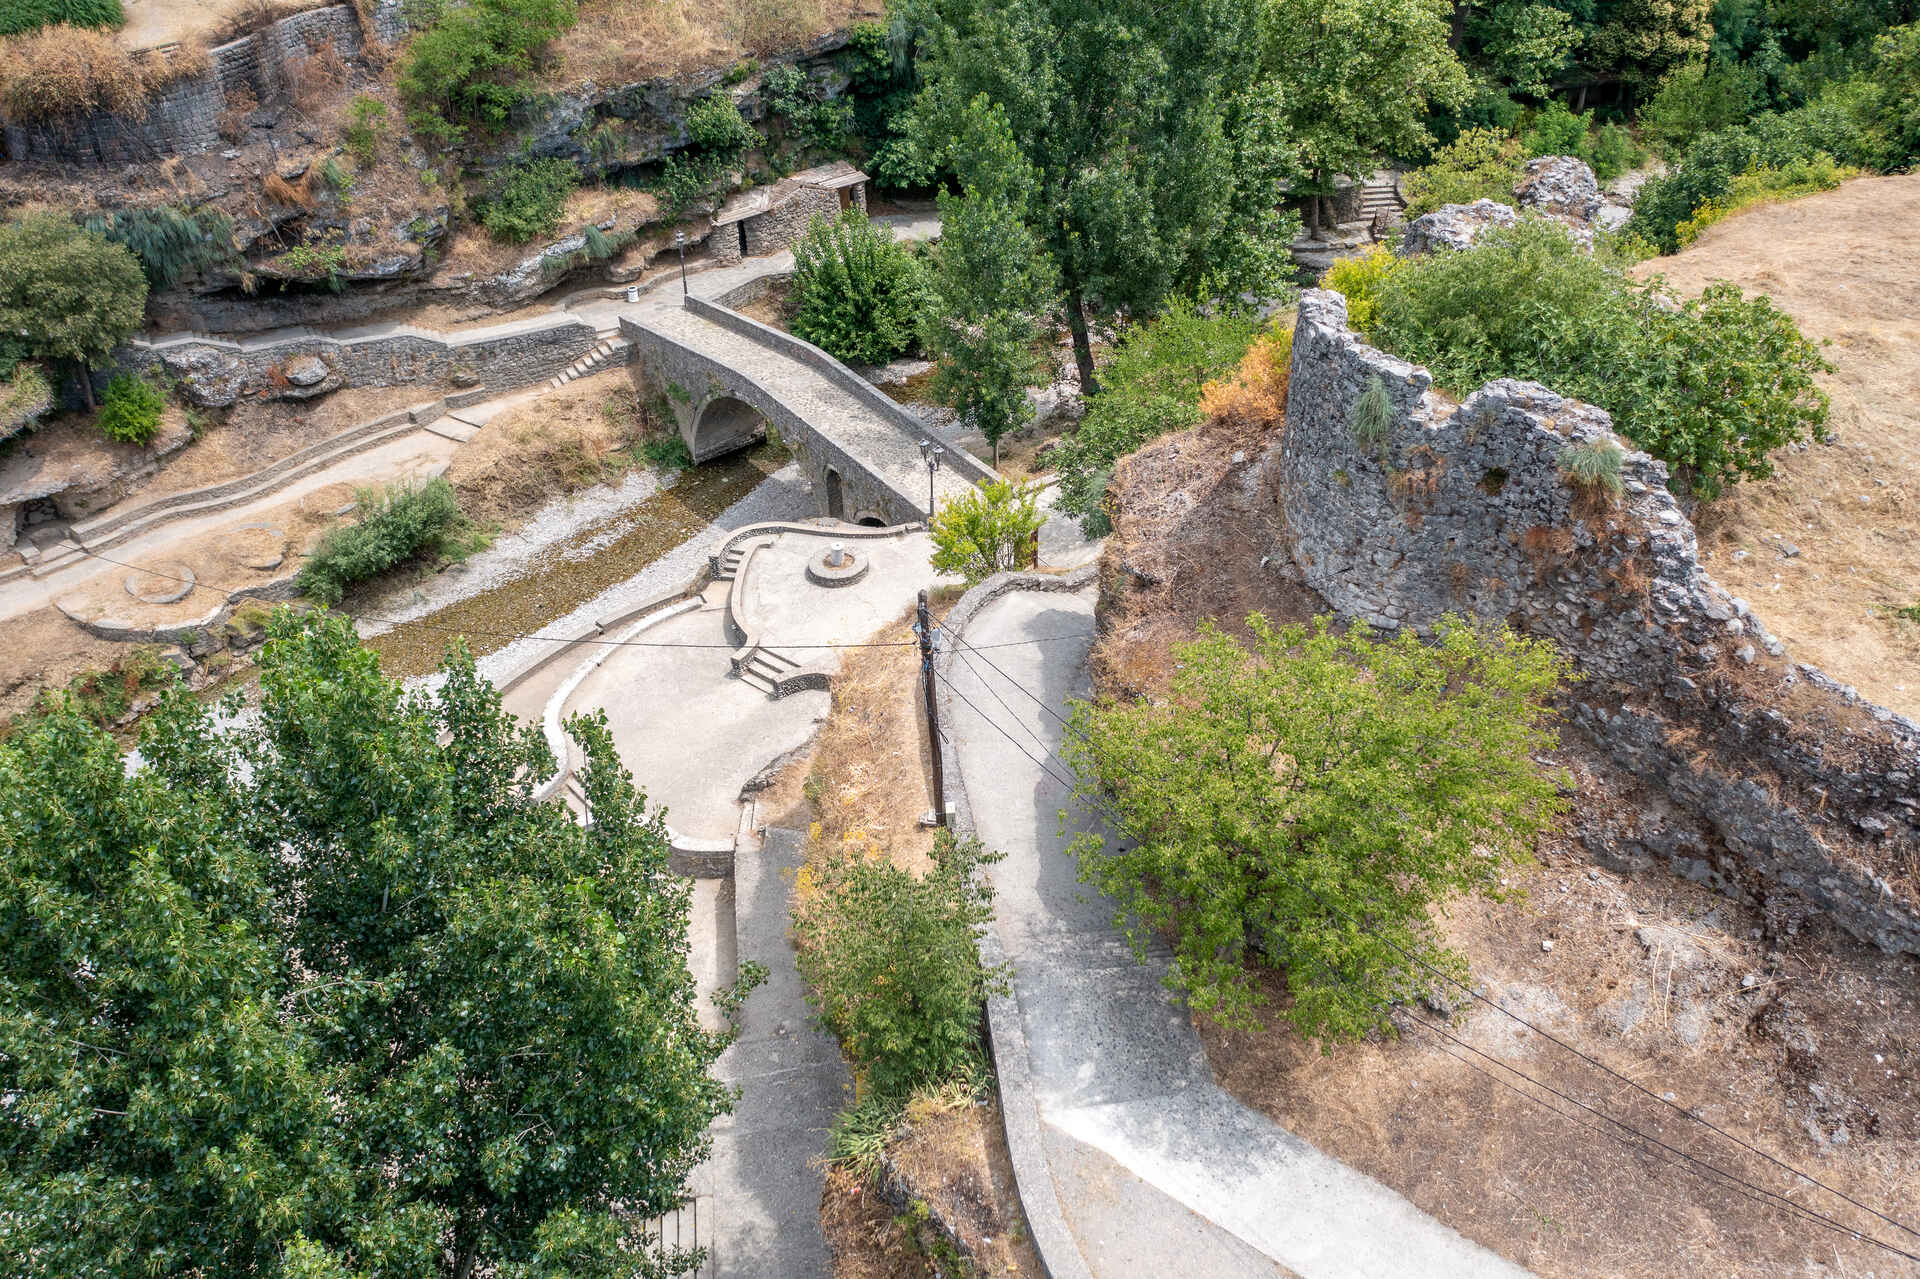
x=633 y=293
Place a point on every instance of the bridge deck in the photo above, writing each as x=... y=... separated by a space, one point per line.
x=888 y=451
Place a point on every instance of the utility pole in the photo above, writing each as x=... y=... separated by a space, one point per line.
x=938 y=817
x=680 y=243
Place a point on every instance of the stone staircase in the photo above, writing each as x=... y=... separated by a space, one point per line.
x=1381 y=194
x=612 y=349
x=727 y=565
x=764 y=668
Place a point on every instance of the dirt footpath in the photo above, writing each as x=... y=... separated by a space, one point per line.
x=1828 y=549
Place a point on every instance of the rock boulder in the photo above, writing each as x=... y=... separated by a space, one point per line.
x=1454 y=226
x=1560 y=185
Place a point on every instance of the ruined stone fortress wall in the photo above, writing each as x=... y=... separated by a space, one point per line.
x=184 y=118
x=1798 y=786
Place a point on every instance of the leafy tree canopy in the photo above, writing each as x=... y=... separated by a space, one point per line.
x=1304 y=800
x=857 y=293
x=67 y=291
x=324 y=991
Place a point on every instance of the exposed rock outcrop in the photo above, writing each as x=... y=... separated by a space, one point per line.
x=1560 y=185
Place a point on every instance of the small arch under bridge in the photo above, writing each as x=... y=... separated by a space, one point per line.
x=728 y=377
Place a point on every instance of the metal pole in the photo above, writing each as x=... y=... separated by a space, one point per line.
x=925 y=628
x=931 y=465
x=680 y=243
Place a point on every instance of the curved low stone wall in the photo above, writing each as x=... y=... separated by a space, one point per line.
x=1806 y=788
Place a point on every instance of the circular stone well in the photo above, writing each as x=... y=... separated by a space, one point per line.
x=837 y=565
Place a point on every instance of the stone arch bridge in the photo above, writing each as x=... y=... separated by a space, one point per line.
x=727 y=376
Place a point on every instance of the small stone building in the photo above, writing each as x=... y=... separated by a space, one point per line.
x=770 y=218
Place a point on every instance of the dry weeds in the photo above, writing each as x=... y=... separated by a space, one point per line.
x=616 y=42
x=1848 y=509
x=65 y=71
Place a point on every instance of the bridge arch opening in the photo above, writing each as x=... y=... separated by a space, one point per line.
x=725 y=424
x=871 y=521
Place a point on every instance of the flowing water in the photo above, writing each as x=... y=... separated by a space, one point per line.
x=574 y=571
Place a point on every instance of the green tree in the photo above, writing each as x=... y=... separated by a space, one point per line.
x=988 y=285
x=1641 y=40
x=1358 y=79
x=892 y=963
x=1302 y=802
x=469 y=66
x=987 y=530
x=1524 y=45
x=1154 y=145
x=1480 y=164
x=856 y=293
x=336 y=996
x=67 y=292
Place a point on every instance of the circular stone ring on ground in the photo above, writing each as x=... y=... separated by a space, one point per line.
x=259 y=546
x=167 y=584
x=333 y=499
x=836 y=566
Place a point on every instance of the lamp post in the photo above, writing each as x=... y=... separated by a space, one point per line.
x=680 y=243
x=930 y=453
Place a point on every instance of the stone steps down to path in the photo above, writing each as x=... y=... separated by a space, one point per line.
x=607 y=354
x=727 y=566
x=764 y=668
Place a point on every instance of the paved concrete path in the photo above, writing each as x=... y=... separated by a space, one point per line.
x=1158 y=1170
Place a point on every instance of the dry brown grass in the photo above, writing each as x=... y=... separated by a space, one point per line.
x=1255 y=397
x=559 y=442
x=1848 y=508
x=616 y=42
x=295 y=193
x=63 y=71
x=315 y=78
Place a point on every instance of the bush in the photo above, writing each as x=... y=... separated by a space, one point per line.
x=668 y=452
x=856 y=293
x=1371 y=422
x=399 y=524
x=1360 y=280
x=818 y=121
x=468 y=65
x=892 y=966
x=1700 y=98
x=1256 y=393
x=987 y=530
x=169 y=241
x=530 y=201
x=714 y=123
x=1891 y=114
x=1612 y=152
x=63 y=71
x=20 y=16
x=1151 y=386
x=366 y=125
x=1556 y=130
x=1711 y=386
x=718 y=135
x=1479 y=164
x=1304 y=801
x=130 y=411
x=1766 y=185
x=1592 y=468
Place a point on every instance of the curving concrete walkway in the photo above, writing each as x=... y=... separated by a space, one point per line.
x=1151 y=1167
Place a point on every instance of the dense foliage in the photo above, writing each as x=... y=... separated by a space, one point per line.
x=717 y=136
x=324 y=991
x=130 y=410
x=987 y=530
x=66 y=293
x=856 y=292
x=17 y=16
x=1138 y=190
x=397 y=524
x=1302 y=800
x=530 y=200
x=892 y=964
x=469 y=64
x=1711 y=386
x=169 y=241
x=1480 y=164
x=1151 y=386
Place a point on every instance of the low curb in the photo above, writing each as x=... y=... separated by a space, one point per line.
x=1060 y=1255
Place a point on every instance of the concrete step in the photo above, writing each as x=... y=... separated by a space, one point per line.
x=690 y=1226
x=452 y=428
x=754 y=678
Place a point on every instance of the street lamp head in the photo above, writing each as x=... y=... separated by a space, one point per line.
x=926 y=450
x=938 y=453
x=679 y=239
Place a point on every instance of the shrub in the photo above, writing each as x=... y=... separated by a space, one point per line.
x=818 y=121
x=856 y=293
x=1371 y=422
x=530 y=201
x=399 y=523
x=1303 y=802
x=1711 y=386
x=1766 y=185
x=467 y=67
x=1612 y=152
x=366 y=125
x=130 y=411
x=714 y=123
x=667 y=452
x=1891 y=114
x=987 y=530
x=1256 y=393
x=1556 y=130
x=1700 y=98
x=20 y=16
x=169 y=241
x=65 y=292
x=1360 y=280
x=891 y=963
x=23 y=398
x=717 y=135
x=1151 y=386
x=1479 y=164
x=1593 y=468
x=64 y=70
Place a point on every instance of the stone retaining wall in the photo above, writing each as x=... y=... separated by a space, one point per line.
x=1802 y=785
x=215 y=372
x=184 y=118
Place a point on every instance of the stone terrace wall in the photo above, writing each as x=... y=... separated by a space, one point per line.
x=216 y=372
x=1804 y=786
x=185 y=118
